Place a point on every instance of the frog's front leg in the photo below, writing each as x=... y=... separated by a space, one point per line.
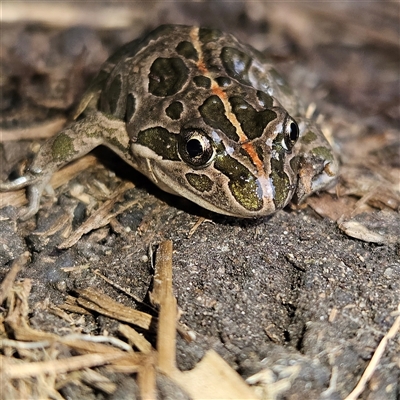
x=72 y=142
x=318 y=166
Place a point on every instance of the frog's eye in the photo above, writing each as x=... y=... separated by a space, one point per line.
x=195 y=148
x=291 y=134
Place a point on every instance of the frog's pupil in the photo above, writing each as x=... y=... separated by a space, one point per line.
x=294 y=131
x=194 y=148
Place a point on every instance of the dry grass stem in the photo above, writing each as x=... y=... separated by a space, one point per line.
x=135 y=338
x=75 y=338
x=8 y=281
x=103 y=304
x=98 y=381
x=119 y=287
x=10 y=371
x=71 y=305
x=200 y=221
x=162 y=296
x=101 y=217
x=43 y=131
x=147 y=378
x=373 y=364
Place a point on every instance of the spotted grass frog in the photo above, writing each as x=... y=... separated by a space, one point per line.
x=201 y=115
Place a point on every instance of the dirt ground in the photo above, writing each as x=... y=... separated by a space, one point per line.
x=306 y=294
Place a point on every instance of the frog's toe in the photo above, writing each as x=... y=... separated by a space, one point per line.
x=35 y=185
x=27 y=212
x=18 y=183
x=326 y=178
x=34 y=193
x=315 y=176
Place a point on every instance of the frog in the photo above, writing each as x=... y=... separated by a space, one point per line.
x=201 y=115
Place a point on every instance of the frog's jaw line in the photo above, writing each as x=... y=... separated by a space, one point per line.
x=168 y=186
x=166 y=183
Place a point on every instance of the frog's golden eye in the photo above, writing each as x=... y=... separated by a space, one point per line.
x=291 y=134
x=195 y=148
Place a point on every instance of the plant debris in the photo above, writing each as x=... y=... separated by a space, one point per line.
x=39 y=363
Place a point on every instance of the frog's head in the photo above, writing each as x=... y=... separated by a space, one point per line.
x=243 y=172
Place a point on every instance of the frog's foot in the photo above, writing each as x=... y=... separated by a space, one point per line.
x=16 y=184
x=315 y=175
x=327 y=177
x=36 y=184
x=318 y=164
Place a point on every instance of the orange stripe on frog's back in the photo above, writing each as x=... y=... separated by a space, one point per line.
x=246 y=145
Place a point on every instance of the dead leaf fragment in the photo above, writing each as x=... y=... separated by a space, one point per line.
x=213 y=378
x=358 y=231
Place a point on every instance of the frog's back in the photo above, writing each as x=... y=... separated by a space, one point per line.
x=168 y=71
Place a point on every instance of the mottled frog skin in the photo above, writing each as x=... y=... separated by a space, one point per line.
x=201 y=115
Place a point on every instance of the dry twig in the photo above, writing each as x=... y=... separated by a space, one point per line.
x=366 y=376
x=8 y=281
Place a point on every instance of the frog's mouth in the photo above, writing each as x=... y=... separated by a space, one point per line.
x=213 y=190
